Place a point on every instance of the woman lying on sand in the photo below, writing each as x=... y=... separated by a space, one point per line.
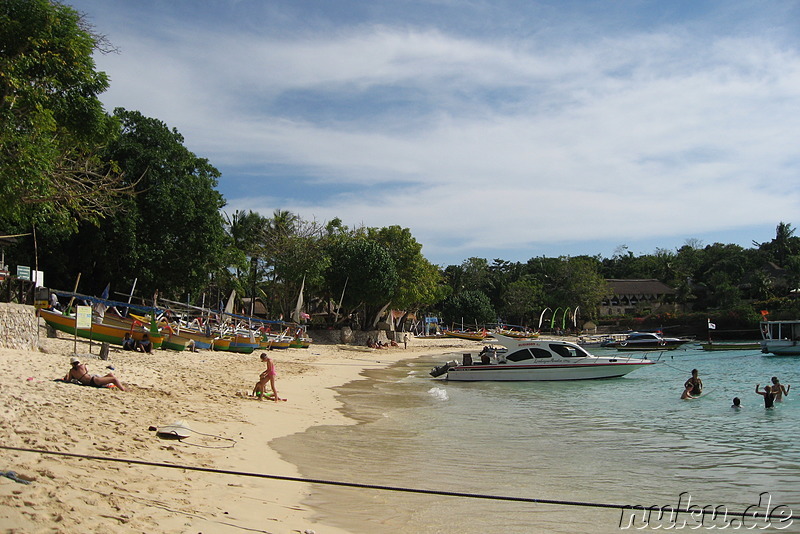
x=81 y=374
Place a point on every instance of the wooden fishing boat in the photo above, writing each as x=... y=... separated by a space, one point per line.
x=172 y=340
x=731 y=345
x=225 y=344
x=100 y=332
x=300 y=343
x=201 y=340
x=474 y=336
x=518 y=334
x=239 y=341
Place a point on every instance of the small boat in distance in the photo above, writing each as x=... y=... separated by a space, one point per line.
x=536 y=360
x=465 y=334
x=646 y=341
x=731 y=345
x=781 y=338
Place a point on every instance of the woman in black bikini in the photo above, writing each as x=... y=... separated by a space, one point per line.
x=769 y=396
x=81 y=374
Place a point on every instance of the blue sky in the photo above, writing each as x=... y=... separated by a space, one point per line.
x=491 y=129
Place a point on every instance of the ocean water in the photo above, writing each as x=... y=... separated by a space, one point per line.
x=625 y=441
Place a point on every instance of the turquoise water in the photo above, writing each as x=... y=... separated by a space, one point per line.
x=628 y=441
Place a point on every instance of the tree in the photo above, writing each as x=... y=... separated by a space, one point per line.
x=299 y=257
x=471 y=307
x=170 y=235
x=246 y=232
x=570 y=282
x=419 y=283
x=52 y=124
x=367 y=270
x=521 y=300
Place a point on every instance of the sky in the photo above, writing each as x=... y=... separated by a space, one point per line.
x=491 y=129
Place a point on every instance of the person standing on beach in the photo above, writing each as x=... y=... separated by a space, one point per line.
x=778 y=389
x=769 y=396
x=695 y=383
x=269 y=375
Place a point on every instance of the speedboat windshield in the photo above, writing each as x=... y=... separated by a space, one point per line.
x=568 y=351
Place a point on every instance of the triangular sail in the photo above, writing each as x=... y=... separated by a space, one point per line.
x=231 y=299
x=299 y=306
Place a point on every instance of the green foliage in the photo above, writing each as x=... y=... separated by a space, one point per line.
x=419 y=283
x=471 y=307
x=52 y=123
x=366 y=268
x=522 y=300
x=299 y=255
x=169 y=235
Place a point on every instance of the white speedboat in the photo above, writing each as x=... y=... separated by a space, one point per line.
x=536 y=359
x=781 y=338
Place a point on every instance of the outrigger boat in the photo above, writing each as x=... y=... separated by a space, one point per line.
x=99 y=332
x=172 y=341
x=463 y=334
x=536 y=360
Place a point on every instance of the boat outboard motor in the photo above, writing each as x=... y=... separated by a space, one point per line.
x=442 y=369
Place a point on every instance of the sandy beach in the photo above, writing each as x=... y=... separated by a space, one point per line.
x=210 y=392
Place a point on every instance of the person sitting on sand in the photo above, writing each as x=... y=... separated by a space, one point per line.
x=128 y=343
x=81 y=375
x=778 y=389
x=687 y=392
x=769 y=396
x=145 y=345
x=267 y=376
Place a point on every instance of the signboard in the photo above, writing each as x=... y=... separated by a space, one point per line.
x=23 y=272
x=84 y=317
x=41 y=298
x=430 y=320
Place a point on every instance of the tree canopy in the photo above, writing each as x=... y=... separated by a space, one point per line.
x=52 y=123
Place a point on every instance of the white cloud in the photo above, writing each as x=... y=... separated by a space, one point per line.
x=487 y=142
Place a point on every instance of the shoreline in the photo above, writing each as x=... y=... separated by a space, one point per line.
x=209 y=390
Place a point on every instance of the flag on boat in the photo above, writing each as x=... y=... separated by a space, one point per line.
x=711 y=326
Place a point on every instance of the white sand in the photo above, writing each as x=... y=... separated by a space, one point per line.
x=210 y=392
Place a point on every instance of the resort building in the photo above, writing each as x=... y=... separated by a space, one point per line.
x=636 y=297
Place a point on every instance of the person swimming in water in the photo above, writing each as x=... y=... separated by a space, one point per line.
x=695 y=383
x=737 y=403
x=778 y=389
x=769 y=396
